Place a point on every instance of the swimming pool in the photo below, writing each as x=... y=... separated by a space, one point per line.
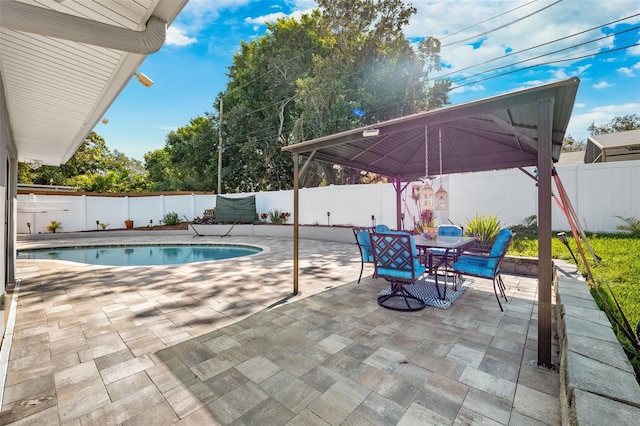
x=141 y=254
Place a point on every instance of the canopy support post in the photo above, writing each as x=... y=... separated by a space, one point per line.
x=296 y=185
x=397 y=184
x=545 y=265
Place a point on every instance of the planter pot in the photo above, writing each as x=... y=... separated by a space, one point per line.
x=128 y=224
x=430 y=232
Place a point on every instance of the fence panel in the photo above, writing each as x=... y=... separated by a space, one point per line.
x=598 y=193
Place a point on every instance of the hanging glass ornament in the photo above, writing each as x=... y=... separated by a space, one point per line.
x=441 y=196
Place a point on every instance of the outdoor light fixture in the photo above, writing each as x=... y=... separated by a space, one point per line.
x=370 y=132
x=564 y=240
x=144 y=80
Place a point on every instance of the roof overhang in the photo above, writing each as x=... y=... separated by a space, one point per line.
x=494 y=133
x=63 y=64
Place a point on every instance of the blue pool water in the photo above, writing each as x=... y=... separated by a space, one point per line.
x=141 y=255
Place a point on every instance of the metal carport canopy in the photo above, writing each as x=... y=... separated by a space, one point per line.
x=517 y=129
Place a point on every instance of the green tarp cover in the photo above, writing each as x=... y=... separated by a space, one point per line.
x=236 y=210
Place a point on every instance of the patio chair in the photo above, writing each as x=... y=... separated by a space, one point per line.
x=487 y=266
x=382 y=228
x=396 y=260
x=438 y=253
x=363 y=241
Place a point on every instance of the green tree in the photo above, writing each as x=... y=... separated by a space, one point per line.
x=369 y=66
x=159 y=173
x=259 y=104
x=569 y=144
x=306 y=78
x=617 y=124
x=92 y=168
x=190 y=150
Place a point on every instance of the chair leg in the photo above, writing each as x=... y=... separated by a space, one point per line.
x=496 y=293
x=361 y=269
x=440 y=297
x=502 y=288
x=498 y=284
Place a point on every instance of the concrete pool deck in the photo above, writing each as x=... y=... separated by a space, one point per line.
x=224 y=343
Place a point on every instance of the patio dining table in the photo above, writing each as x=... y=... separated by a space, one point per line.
x=452 y=247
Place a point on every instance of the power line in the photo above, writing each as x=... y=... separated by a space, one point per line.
x=487 y=20
x=548 y=54
x=539 y=45
x=548 y=63
x=501 y=26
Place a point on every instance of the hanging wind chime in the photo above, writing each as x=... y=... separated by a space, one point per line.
x=442 y=197
x=426 y=192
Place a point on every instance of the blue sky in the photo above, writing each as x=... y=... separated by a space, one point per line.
x=190 y=70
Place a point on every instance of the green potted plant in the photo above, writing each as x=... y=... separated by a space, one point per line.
x=54 y=226
x=485 y=228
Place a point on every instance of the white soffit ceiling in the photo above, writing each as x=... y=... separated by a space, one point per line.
x=57 y=88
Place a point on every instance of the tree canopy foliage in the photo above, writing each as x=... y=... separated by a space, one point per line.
x=92 y=168
x=344 y=65
x=617 y=124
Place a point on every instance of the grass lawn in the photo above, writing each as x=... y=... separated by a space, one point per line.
x=617 y=271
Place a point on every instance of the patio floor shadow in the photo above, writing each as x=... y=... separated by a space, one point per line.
x=225 y=343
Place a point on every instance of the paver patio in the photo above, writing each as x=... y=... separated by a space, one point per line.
x=222 y=343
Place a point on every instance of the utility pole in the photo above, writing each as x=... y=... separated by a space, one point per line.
x=220 y=150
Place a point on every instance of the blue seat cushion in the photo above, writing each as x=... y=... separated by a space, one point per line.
x=500 y=247
x=474 y=265
x=446 y=231
x=365 y=246
x=382 y=228
x=449 y=231
x=438 y=252
x=396 y=273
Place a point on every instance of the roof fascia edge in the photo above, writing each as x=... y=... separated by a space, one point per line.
x=37 y=20
x=118 y=82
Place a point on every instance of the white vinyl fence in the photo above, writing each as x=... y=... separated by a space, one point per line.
x=598 y=193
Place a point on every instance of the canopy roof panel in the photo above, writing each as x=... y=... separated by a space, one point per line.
x=493 y=133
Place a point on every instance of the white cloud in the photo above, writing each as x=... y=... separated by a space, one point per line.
x=271 y=17
x=626 y=71
x=634 y=51
x=600 y=115
x=515 y=27
x=581 y=69
x=602 y=85
x=629 y=71
x=177 y=37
